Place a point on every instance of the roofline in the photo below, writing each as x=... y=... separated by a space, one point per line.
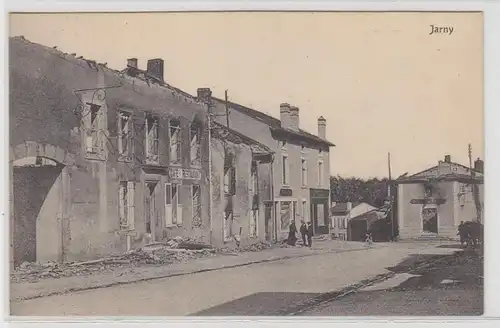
x=118 y=73
x=241 y=135
x=316 y=139
x=439 y=179
x=430 y=168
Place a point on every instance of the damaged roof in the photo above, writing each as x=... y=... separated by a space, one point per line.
x=44 y=70
x=222 y=132
x=274 y=123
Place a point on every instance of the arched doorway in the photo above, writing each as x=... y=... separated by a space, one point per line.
x=39 y=185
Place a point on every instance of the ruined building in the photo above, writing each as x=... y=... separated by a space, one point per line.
x=102 y=161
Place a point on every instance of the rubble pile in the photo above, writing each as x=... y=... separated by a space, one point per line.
x=176 y=250
x=257 y=247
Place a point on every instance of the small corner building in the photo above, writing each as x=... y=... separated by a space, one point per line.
x=433 y=202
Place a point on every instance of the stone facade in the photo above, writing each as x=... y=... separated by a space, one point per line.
x=435 y=201
x=240 y=180
x=295 y=172
x=116 y=142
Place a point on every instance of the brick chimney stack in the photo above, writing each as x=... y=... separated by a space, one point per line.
x=132 y=63
x=479 y=165
x=155 y=68
x=322 y=127
x=285 y=115
x=294 y=118
x=204 y=95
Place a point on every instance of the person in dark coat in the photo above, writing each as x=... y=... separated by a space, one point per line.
x=303 y=232
x=462 y=233
x=292 y=239
x=309 y=234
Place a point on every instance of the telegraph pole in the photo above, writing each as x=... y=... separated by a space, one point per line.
x=470 y=160
x=227 y=110
x=389 y=194
x=475 y=188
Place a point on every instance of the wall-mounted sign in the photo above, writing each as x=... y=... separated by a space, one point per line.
x=428 y=201
x=320 y=193
x=184 y=174
x=285 y=192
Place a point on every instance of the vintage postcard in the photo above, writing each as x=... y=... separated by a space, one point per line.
x=246 y=164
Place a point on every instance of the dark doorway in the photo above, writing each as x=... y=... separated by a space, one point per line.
x=430 y=219
x=268 y=221
x=357 y=230
x=31 y=186
x=150 y=207
x=320 y=218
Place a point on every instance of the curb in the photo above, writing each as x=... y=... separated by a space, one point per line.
x=117 y=283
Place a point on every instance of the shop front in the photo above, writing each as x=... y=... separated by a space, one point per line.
x=320 y=211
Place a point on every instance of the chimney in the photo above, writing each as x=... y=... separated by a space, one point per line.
x=349 y=206
x=322 y=127
x=132 y=63
x=294 y=118
x=447 y=159
x=204 y=95
x=285 y=115
x=479 y=165
x=155 y=68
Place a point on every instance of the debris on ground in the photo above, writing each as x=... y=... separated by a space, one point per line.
x=176 y=250
x=257 y=247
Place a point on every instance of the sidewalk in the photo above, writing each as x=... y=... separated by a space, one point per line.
x=46 y=287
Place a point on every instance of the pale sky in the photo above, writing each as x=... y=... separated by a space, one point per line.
x=380 y=80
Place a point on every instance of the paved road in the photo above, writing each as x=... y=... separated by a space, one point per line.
x=257 y=289
x=424 y=294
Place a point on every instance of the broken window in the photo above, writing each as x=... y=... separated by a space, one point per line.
x=229 y=176
x=175 y=141
x=253 y=179
x=152 y=127
x=126 y=205
x=92 y=140
x=284 y=170
x=173 y=206
x=195 y=145
x=124 y=135
x=196 y=193
x=303 y=172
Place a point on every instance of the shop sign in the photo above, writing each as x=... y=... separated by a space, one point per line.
x=184 y=174
x=428 y=201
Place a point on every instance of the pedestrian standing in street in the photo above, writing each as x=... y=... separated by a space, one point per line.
x=369 y=239
x=309 y=233
x=461 y=233
x=303 y=232
x=292 y=238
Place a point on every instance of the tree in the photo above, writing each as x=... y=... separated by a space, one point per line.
x=356 y=190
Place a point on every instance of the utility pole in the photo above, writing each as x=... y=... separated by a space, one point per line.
x=227 y=109
x=475 y=188
x=470 y=160
x=389 y=194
